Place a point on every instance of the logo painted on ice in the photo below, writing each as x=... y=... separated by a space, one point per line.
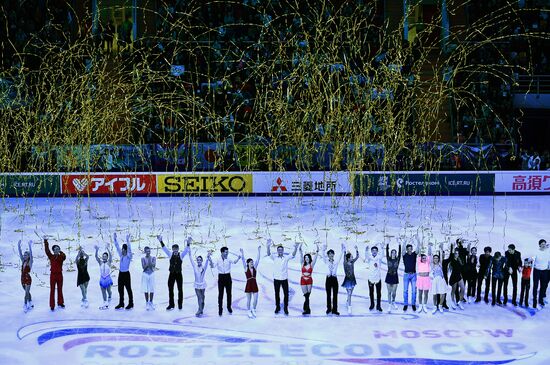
x=104 y=340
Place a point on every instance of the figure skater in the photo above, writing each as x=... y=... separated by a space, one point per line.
x=124 y=278
x=392 y=279
x=439 y=285
x=331 y=283
x=83 y=278
x=175 y=276
x=105 y=280
x=251 y=287
x=374 y=261
x=26 y=280
x=456 y=268
x=199 y=269
x=497 y=268
x=280 y=273
x=148 y=263
x=56 y=273
x=423 y=281
x=306 y=280
x=349 y=280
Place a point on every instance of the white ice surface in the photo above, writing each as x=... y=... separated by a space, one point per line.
x=480 y=334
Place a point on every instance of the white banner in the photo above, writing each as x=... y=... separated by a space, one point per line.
x=302 y=182
x=522 y=182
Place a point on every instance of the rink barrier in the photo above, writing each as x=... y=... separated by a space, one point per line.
x=294 y=183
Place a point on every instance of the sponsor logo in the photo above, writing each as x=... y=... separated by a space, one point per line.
x=205 y=183
x=23 y=185
x=531 y=183
x=109 y=184
x=308 y=186
x=96 y=341
x=279 y=185
x=425 y=183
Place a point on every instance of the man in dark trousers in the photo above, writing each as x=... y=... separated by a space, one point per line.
x=484 y=261
x=514 y=263
x=175 y=275
x=224 y=279
x=56 y=273
x=124 y=279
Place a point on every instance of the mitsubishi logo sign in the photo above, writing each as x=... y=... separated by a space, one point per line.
x=279 y=185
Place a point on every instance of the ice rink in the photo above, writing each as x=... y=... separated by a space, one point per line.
x=480 y=334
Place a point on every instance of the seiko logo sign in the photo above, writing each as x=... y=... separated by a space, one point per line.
x=205 y=183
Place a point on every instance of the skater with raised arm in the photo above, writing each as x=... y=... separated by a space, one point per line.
x=124 y=278
x=56 y=273
x=105 y=280
x=306 y=279
x=439 y=285
x=251 y=287
x=349 y=276
x=392 y=279
x=26 y=280
x=224 y=278
x=409 y=277
x=374 y=262
x=280 y=273
x=148 y=263
x=82 y=278
x=331 y=282
x=199 y=270
x=175 y=276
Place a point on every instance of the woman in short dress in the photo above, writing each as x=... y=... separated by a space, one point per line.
x=83 y=278
x=105 y=280
x=26 y=280
x=439 y=285
x=306 y=280
x=349 y=279
x=392 y=279
x=423 y=281
x=251 y=287
x=456 y=281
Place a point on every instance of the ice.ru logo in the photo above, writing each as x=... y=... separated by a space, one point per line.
x=100 y=342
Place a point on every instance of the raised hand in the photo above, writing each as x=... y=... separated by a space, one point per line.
x=242 y=252
x=19 y=243
x=114 y=236
x=189 y=240
x=269 y=242
x=159 y=238
x=128 y=237
x=356 y=249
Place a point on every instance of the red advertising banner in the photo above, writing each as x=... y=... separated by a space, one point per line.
x=97 y=184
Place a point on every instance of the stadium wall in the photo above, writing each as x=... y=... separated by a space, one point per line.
x=275 y=183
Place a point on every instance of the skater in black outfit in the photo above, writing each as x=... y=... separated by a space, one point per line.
x=496 y=269
x=513 y=260
x=484 y=261
x=175 y=276
x=470 y=274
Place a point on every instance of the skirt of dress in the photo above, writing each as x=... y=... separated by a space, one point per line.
x=423 y=282
x=439 y=286
x=349 y=283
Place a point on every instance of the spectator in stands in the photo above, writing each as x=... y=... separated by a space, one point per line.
x=534 y=162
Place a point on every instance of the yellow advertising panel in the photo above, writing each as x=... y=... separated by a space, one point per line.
x=204 y=183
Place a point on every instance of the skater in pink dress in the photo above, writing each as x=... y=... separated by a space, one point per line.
x=423 y=281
